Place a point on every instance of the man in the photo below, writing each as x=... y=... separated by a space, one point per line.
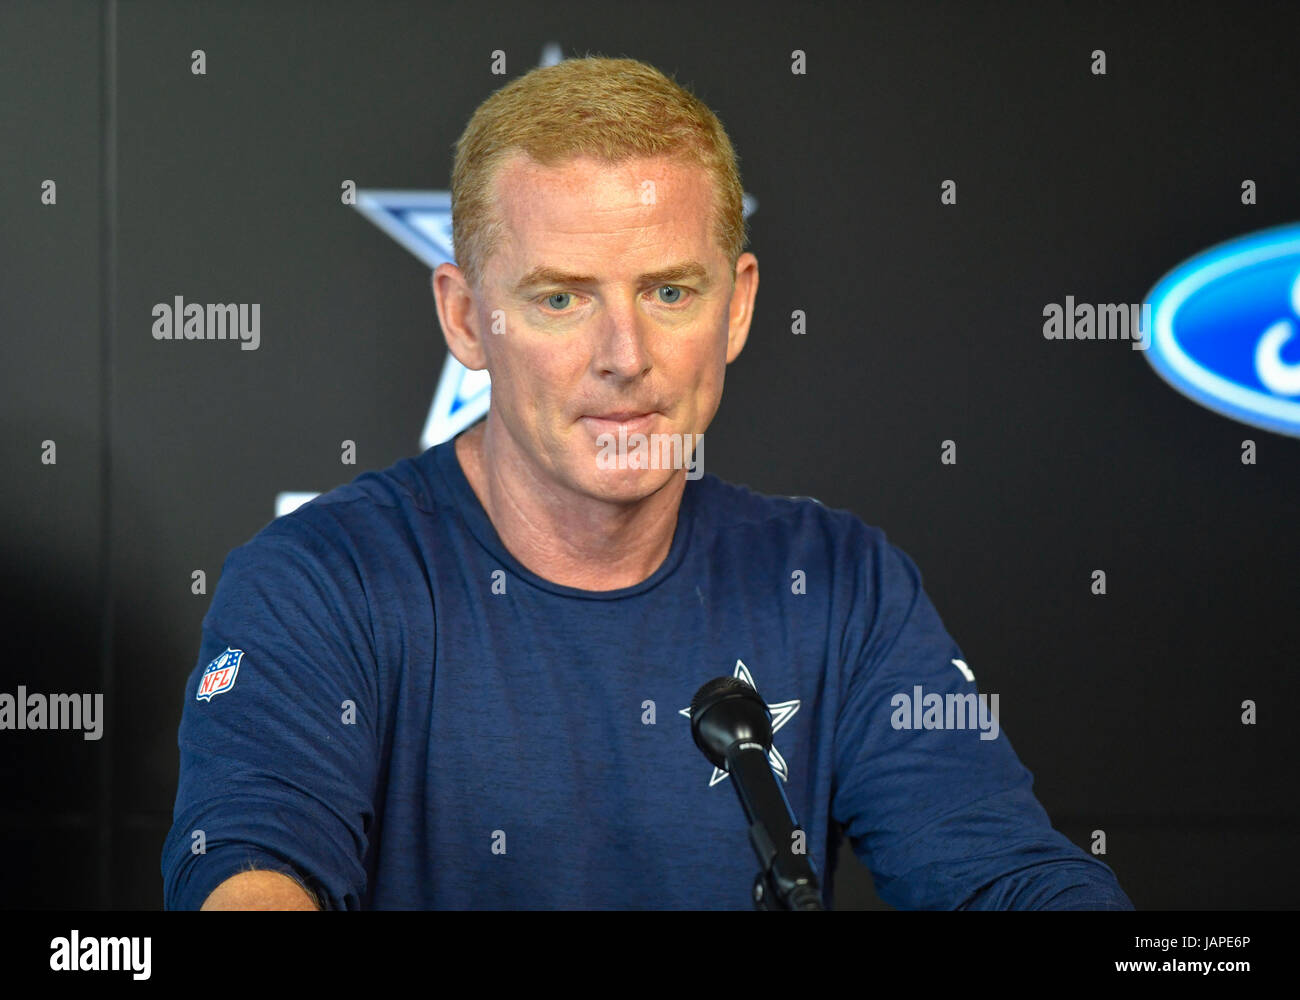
x=458 y=683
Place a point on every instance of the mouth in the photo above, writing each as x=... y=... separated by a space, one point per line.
x=621 y=421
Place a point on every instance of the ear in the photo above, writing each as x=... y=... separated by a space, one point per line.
x=458 y=317
x=742 y=305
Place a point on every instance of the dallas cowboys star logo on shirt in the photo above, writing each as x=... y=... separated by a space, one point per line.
x=782 y=712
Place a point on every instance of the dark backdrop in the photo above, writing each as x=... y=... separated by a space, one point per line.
x=924 y=324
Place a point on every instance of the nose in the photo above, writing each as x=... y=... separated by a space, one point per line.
x=622 y=349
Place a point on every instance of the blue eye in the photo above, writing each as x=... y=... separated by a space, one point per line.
x=559 y=301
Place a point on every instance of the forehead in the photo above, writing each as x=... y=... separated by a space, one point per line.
x=585 y=202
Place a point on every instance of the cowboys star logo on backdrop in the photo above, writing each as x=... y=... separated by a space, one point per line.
x=421 y=222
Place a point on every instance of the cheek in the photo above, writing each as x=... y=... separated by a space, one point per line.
x=709 y=370
x=708 y=389
x=711 y=395
x=543 y=380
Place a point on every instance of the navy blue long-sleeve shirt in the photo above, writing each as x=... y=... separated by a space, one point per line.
x=392 y=709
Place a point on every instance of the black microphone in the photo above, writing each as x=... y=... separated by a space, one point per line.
x=732 y=726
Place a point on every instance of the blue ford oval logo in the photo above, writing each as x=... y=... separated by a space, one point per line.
x=1227 y=329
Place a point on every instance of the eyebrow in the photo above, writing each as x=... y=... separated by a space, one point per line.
x=543 y=275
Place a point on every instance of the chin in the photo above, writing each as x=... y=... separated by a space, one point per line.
x=626 y=485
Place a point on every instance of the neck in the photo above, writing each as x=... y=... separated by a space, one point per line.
x=569 y=538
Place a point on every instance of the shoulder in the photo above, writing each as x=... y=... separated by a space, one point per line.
x=862 y=585
x=733 y=513
x=372 y=513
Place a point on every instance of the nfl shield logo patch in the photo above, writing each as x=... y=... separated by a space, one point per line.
x=219 y=675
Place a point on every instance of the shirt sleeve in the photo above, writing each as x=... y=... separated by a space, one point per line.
x=928 y=788
x=278 y=764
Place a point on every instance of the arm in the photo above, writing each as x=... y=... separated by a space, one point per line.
x=276 y=774
x=259 y=890
x=944 y=817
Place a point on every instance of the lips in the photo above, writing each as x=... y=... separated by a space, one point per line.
x=627 y=421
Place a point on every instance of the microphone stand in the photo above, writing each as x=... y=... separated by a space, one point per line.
x=785 y=880
x=732 y=727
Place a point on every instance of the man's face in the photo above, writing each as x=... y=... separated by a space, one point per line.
x=617 y=310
